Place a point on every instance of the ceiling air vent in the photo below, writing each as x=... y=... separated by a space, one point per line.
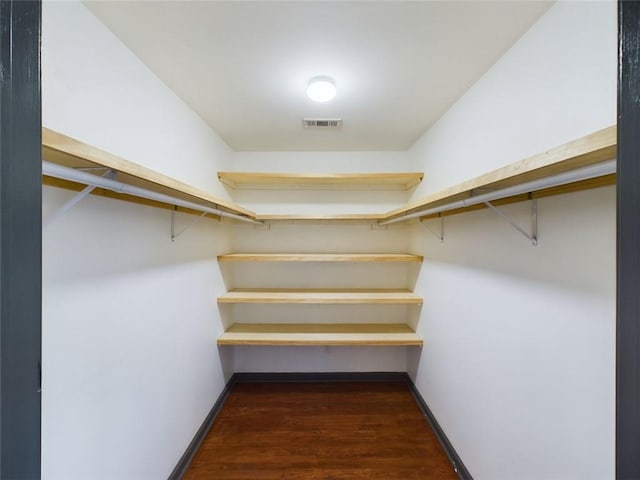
x=322 y=122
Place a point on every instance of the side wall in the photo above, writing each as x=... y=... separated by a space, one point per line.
x=130 y=367
x=518 y=364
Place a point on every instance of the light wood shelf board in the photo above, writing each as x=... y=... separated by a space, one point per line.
x=319 y=257
x=324 y=181
x=591 y=149
x=66 y=151
x=301 y=334
x=604 y=181
x=321 y=296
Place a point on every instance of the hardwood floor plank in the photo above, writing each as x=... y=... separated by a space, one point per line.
x=368 y=430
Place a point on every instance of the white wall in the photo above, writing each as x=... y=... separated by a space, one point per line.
x=96 y=90
x=518 y=365
x=130 y=366
x=321 y=162
x=555 y=85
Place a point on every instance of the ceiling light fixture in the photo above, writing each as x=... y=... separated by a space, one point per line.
x=321 y=89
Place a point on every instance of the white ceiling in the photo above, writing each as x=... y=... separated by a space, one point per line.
x=244 y=66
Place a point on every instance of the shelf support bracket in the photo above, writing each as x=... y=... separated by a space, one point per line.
x=75 y=200
x=440 y=235
x=533 y=236
x=175 y=234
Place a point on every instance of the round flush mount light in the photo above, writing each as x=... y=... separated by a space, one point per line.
x=321 y=89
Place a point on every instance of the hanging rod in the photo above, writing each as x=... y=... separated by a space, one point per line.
x=585 y=173
x=65 y=173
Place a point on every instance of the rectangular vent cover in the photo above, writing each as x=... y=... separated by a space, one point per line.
x=322 y=122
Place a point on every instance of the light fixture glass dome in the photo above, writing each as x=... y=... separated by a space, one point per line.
x=321 y=89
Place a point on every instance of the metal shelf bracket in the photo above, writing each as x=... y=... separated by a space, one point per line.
x=175 y=234
x=533 y=236
x=75 y=200
x=440 y=235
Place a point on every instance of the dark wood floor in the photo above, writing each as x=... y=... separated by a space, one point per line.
x=306 y=431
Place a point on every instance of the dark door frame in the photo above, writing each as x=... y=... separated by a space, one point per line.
x=20 y=239
x=628 y=249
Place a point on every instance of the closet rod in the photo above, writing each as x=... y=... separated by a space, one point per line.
x=585 y=173
x=65 y=173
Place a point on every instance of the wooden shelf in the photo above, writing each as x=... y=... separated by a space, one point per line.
x=319 y=257
x=326 y=181
x=387 y=334
x=585 y=151
x=591 y=149
x=68 y=152
x=320 y=296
